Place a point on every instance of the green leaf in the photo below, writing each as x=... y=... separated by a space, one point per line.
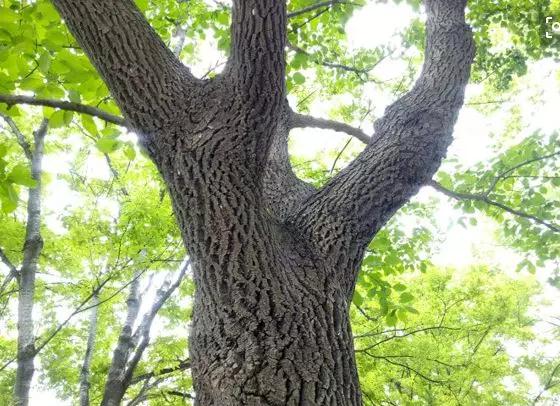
x=107 y=144
x=399 y=287
x=60 y=118
x=391 y=318
x=89 y=124
x=8 y=197
x=129 y=151
x=298 y=78
x=21 y=175
x=74 y=96
x=358 y=300
x=44 y=62
x=406 y=297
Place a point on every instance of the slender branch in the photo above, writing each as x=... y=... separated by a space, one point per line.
x=181 y=366
x=339 y=155
x=114 y=388
x=403 y=365
x=19 y=135
x=12 y=271
x=11 y=100
x=549 y=384
x=505 y=174
x=78 y=310
x=301 y=120
x=330 y=3
x=485 y=199
x=334 y=65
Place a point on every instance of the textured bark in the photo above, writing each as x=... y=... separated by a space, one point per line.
x=88 y=355
x=274 y=260
x=410 y=141
x=26 y=278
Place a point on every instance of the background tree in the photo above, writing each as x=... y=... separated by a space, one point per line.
x=245 y=155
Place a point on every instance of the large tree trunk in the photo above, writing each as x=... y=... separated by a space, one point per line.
x=274 y=260
x=271 y=323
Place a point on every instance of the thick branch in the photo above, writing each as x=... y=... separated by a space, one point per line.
x=147 y=81
x=410 y=141
x=282 y=189
x=300 y=120
x=485 y=199
x=11 y=100
x=257 y=53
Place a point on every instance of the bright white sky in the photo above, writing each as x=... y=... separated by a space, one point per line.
x=373 y=25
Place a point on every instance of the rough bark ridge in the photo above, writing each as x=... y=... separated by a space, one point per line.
x=274 y=260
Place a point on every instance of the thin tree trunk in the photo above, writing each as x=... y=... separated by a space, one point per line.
x=114 y=390
x=86 y=366
x=26 y=280
x=131 y=346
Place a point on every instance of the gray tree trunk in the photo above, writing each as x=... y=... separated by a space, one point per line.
x=88 y=355
x=26 y=278
x=275 y=261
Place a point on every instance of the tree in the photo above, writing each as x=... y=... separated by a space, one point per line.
x=274 y=276
x=275 y=259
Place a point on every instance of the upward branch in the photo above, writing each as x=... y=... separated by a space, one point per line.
x=145 y=78
x=258 y=42
x=410 y=141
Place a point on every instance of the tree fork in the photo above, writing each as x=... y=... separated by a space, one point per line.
x=274 y=260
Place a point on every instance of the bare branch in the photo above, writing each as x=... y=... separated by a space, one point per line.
x=19 y=135
x=11 y=100
x=307 y=9
x=12 y=270
x=507 y=172
x=301 y=120
x=485 y=199
x=181 y=366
